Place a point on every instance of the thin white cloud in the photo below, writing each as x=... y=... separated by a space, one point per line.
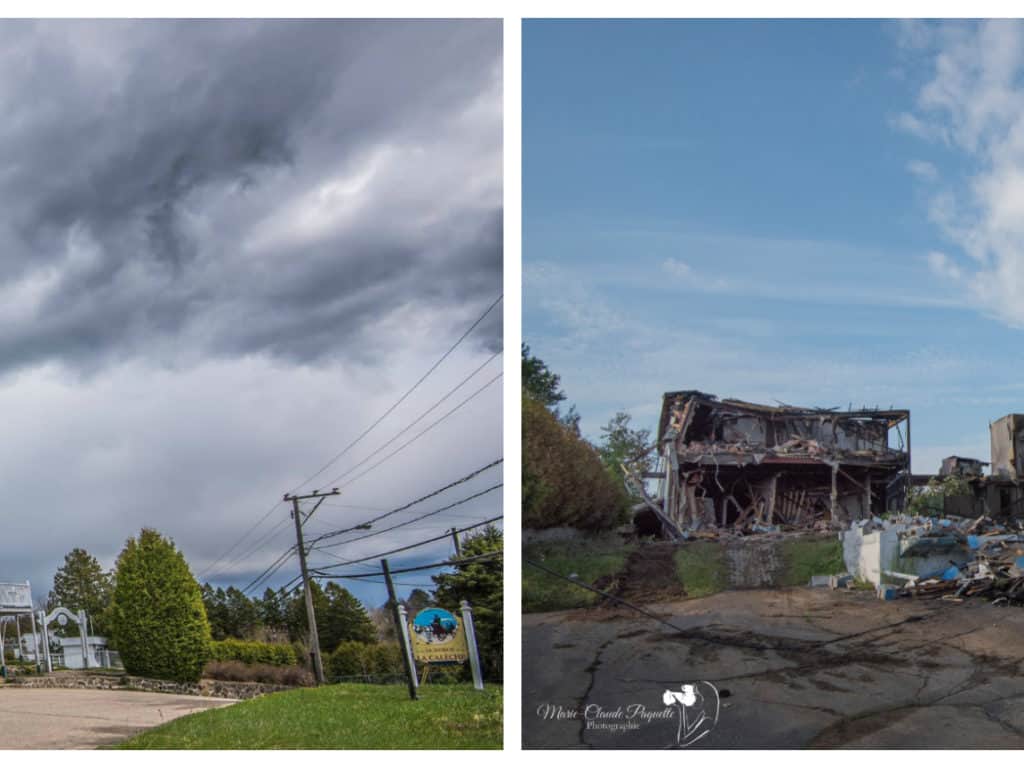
x=639 y=359
x=973 y=96
x=922 y=169
x=943 y=266
x=677 y=268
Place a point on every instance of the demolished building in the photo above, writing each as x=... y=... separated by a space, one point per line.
x=1000 y=493
x=729 y=464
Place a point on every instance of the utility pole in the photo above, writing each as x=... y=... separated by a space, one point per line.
x=458 y=544
x=314 y=637
x=401 y=630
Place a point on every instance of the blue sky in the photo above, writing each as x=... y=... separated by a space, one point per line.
x=818 y=213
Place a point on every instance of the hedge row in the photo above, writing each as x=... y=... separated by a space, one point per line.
x=564 y=481
x=250 y=652
x=352 y=659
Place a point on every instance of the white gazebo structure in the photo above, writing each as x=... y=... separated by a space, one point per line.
x=15 y=602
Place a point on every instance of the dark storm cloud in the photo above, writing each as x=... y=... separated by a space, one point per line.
x=225 y=249
x=235 y=188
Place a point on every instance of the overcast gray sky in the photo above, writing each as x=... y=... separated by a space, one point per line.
x=226 y=248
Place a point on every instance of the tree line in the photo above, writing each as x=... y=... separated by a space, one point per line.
x=154 y=612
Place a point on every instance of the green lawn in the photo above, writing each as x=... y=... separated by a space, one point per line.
x=810 y=556
x=701 y=567
x=590 y=560
x=344 y=716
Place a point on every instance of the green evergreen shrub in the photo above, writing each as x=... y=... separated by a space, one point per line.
x=158 y=621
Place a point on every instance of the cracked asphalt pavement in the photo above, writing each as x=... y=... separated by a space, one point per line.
x=793 y=668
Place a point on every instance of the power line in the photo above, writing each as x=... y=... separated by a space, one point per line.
x=367 y=523
x=270 y=570
x=280 y=525
x=244 y=536
x=279 y=563
x=409 y=442
x=277 y=528
x=400 y=400
x=445 y=535
x=365 y=432
x=431 y=566
x=407 y=522
x=404 y=430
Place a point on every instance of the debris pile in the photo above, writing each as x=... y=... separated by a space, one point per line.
x=993 y=568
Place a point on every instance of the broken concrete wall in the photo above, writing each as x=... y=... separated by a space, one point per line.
x=1007 y=441
x=871 y=556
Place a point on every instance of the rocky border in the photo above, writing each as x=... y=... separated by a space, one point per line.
x=221 y=689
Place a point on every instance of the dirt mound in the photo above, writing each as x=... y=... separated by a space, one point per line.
x=650 y=575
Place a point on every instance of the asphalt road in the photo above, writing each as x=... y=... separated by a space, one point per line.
x=792 y=668
x=61 y=718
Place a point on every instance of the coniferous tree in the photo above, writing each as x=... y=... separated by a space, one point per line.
x=82 y=584
x=157 y=617
x=344 y=620
x=480 y=584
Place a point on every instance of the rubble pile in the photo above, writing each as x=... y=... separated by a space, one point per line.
x=993 y=568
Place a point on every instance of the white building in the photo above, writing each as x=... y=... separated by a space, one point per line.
x=67 y=651
x=71 y=651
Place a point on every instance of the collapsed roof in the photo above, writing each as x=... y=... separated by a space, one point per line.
x=733 y=464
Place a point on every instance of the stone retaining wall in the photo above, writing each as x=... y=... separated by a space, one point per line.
x=754 y=564
x=214 y=688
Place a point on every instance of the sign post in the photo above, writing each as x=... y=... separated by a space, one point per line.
x=403 y=626
x=474 y=654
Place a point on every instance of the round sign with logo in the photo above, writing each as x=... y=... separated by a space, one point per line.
x=437 y=637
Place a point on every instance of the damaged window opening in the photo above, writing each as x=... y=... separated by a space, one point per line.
x=729 y=464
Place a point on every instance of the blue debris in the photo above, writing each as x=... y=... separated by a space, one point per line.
x=887 y=592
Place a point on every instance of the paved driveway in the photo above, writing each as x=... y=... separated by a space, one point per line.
x=62 y=718
x=794 y=668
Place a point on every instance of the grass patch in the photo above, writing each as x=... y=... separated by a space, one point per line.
x=700 y=566
x=344 y=716
x=808 y=557
x=589 y=559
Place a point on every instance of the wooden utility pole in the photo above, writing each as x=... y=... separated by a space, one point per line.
x=400 y=630
x=458 y=544
x=314 y=636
